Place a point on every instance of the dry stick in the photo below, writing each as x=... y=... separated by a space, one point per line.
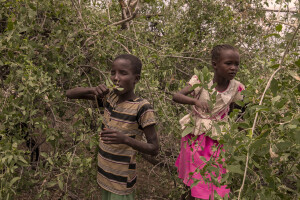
x=101 y=72
x=126 y=20
x=79 y=12
x=126 y=49
x=276 y=10
x=71 y=161
x=183 y=57
x=108 y=12
x=75 y=145
x=96 y=100
x=292 y=25
x=260 y=103
x=138 y=42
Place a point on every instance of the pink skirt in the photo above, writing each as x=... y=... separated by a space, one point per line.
x=189 y=160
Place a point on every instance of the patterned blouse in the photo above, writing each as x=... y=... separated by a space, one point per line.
x=203 y=121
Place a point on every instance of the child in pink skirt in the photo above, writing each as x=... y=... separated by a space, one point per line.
x=196 y=145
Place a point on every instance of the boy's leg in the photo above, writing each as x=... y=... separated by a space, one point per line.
x=106 y=195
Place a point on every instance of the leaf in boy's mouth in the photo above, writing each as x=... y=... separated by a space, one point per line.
x=119 y=88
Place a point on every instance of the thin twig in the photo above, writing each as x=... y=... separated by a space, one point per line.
x=276 y=10
x=184 y=57
x=292 y=25
x=126 y=49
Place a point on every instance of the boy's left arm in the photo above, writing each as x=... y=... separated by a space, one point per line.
x=109 y=136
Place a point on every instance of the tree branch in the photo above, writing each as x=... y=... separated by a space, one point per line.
x=126 y=20
x=276 y=10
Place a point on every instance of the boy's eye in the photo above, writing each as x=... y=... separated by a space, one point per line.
x=112 y=72
x=123 y=72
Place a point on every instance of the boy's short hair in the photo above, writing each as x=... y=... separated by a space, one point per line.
x=216 y=51
x=136 y=63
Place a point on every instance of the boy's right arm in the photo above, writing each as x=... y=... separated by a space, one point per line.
x=87 y=93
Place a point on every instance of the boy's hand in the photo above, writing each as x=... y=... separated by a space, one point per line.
x=203 y=105
x=109 y=136
x=100 y=90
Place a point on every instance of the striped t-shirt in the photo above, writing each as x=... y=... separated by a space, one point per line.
x=117 y=162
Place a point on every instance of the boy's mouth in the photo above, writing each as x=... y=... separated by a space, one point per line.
x=118 y=88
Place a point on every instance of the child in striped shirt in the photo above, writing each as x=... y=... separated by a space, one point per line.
x=126 y=118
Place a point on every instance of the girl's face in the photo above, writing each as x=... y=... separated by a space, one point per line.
x=122 y=75
x=227 y=65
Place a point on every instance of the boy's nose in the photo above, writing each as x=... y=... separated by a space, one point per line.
x=116 y=78
x=234 y=67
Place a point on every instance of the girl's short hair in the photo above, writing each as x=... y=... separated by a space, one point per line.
x=136 y=63
x=216 y=51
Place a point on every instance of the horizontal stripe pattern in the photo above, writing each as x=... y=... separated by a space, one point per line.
x=117 y=158
x=131 y=183
x=112 y=176
x=117 y=162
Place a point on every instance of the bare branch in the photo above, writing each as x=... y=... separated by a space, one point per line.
x=276 y=10
x=126 y=49
x=292 y=25
x=126 y=20
x=183 y=57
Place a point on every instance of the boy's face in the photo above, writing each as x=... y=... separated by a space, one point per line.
x=122 y=75
x=227 y=65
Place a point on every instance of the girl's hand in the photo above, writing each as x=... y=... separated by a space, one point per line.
x=109 y=136
x=203 y=105
x=100 y=90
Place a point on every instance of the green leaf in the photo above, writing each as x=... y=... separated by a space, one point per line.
x=14 y=180
x=284 y=146
x=278 y=27
x=271 y=35
x=244 y=125
x=260 y=108
x=217 y=127
x=298 y=62
x=60 y=184
x=275 y=66
x=195 y=183
x=22 y=159
x=281 y=103
x=235 y=169
x=90 y=112
x=187 y=130
x=274 y=87
x=51 y=183
x=297 y=136
x=119 y=88
x=256 y=145
x=107 y=83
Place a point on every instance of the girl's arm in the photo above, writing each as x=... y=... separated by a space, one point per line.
x=87 y=93
x=181 y=97
x=109 y=136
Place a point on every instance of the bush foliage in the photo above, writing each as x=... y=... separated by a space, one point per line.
x=47 y=47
